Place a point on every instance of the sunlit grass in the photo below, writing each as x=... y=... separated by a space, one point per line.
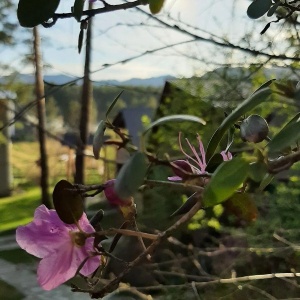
x=61 y=162
x=18 y=209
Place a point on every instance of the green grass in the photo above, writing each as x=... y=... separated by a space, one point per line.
x=18 y=209
x=8 y=292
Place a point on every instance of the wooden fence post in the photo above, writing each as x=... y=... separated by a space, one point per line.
x=5 y=151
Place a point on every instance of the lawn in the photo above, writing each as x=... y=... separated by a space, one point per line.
x=18 y=209
x=8 y=292
x=61 y=162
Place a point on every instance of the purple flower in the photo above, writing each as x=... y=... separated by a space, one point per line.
x=61 y=246
x=112 y=197
x=192 y=165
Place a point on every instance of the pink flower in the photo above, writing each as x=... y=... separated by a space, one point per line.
x=192 y=165
x=112 y=197
x=61 y=246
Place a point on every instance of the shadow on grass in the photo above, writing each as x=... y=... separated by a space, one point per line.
x=8 y=292
x=18 y=256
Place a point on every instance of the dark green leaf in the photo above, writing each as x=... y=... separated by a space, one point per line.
x=265 y=182
x=176 y=118
x=97 y=218
x=67 y=202
x=255 y=99
x=80 y=40
x=225 y=181
x=265 y=28
x=258 y=8
x=113 y=104
x=98 y=140
x=273 y=9
x=131 y=176
x=257 y=171
x=214 y=162
x=186 y=206
x=287 y=136
x=78 y=9
x=230 y=138
x=242 y=206
x=34 y=12
x=156 y=6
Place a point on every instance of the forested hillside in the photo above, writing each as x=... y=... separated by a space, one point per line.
x=63 y=102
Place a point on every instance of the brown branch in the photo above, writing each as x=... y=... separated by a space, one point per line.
x=126 y=232
x=283 y=163
x=171 y=184
x=93 y=12
x=224 y=281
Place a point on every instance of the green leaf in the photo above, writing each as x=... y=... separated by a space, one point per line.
x=113 y=104
x=78 y=9
x=214 y=162
x=265 y=182
x=34 y=12
x=287 y=136
x=186 y=206
x=242 y=206
x=273 y=9
x=67 y=202
x=80 y=40
x=225 y=181
x=98 y=140
x=258 y=8
x=156 y=6
x=259 y=96
x=176 y=118
x=257 y=171
x=131 y=176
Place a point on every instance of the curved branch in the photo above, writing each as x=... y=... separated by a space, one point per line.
x=107 y=8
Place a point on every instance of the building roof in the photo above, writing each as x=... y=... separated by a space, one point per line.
x=131 y=119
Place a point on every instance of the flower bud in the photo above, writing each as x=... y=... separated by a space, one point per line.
x=254 y=129
x=112 y=197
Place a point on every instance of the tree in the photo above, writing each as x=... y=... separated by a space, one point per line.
x=7 y=27
x=207 y=172
x=39 y=91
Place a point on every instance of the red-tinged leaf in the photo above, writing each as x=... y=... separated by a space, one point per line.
x=242 y=206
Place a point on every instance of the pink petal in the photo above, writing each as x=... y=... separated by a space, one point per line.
x=226 y=155
x=174 y=178
x=85 y=225
x=44 y=234
x=82 y=253
x=57 y=268
x=202 y=151
x=111 y=195
x=62 y=265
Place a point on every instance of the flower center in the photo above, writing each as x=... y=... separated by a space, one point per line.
x=78 y=238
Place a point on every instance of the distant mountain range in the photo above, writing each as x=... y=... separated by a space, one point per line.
x=62 y=79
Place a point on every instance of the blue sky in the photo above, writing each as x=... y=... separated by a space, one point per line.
x=124 y=34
